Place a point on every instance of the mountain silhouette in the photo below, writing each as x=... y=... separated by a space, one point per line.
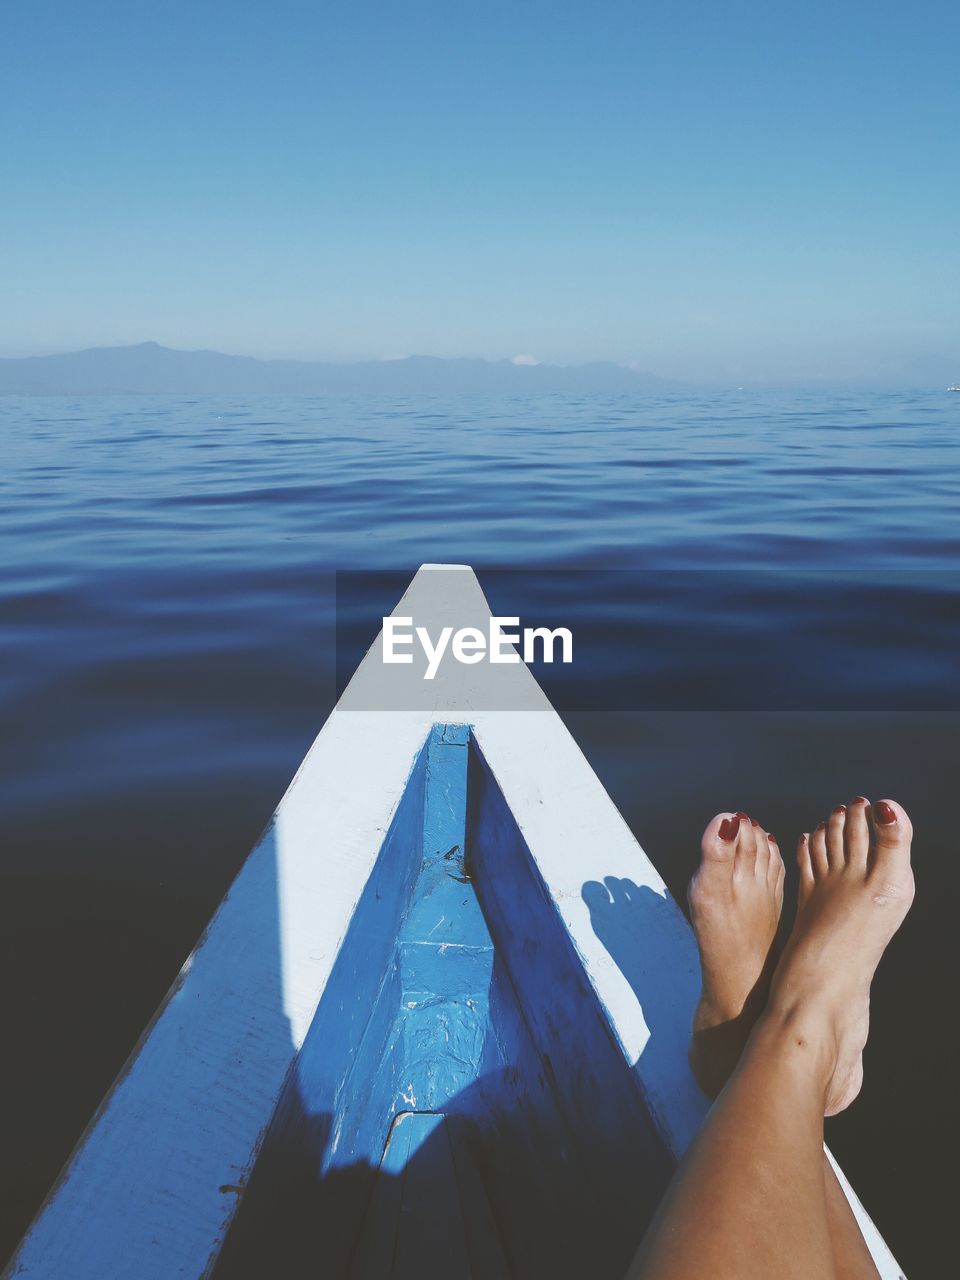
x=148 y=368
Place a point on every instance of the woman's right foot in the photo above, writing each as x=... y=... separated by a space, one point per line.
x=735 y=900
x=855 y=891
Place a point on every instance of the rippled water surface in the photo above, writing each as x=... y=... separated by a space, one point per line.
x=765 y=591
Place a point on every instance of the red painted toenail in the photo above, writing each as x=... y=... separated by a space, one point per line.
x=771 y=836
x=841 y=808
x=883 y=813
x=821 y=826
x=804 y=837
x=728 y=828
x=859 y=799
x=742 y=816
x=754 y=822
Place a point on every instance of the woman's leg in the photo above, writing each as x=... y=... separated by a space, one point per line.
x=755 y=1195
x=749 y=1199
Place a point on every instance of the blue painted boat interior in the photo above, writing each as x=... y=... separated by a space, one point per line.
x=460 y=1107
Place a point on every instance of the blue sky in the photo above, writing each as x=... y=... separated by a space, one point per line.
x=748 y=190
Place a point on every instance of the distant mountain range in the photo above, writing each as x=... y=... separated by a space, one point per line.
x=149 y=368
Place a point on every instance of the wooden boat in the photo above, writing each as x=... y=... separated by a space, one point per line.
x=437 y=1027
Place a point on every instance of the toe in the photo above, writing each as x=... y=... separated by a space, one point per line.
x=719 y=843
x=805 y=866
x=834 y=836
x=856 y=832
x=891 y=825
x=818 y=850
x=776 y=873
x=747 y=844
x=762 y=865
x=892 y=834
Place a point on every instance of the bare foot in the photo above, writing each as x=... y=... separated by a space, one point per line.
x=735 y=900
x=854 y=894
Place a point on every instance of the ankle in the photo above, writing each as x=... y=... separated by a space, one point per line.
x=801 y=1040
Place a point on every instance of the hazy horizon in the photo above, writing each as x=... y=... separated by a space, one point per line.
x=753 y=194
x=155 y=368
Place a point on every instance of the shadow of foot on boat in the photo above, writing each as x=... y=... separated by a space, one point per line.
x=651 y=945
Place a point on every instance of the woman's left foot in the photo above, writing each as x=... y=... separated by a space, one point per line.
x=735 y=900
